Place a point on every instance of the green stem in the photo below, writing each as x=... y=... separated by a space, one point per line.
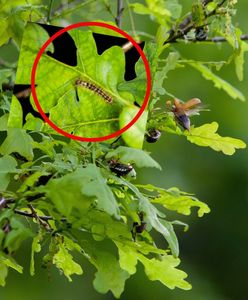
x=131 y=18
x=49 y=12
x=59 y=14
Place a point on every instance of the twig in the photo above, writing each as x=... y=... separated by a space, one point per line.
x=186 y=25
x=42 y=222
x=219 y=39
x=70 y=8
x=31 y=215
x=120 y=9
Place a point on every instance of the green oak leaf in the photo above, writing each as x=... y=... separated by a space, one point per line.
x=35 y=248
x=134 y=136
x=64 y=260
x=95 y=185
x=218 y=82
x=4 y=74
x=130 y=155
x=14 y=15
x=163 y=269
x=239 y=55
x=160 y=76
x=84 y=100
x=127 y=258
x=76 y=191
x=156 y=9
x=66 y=194
x=7 y=166
x=109 y=274
x=174 y=199
x=17 y=235
x=206 y=136
x=19 y=141
x=151 y=215
x=16 y=114
x=4 y=122
x=7 y=262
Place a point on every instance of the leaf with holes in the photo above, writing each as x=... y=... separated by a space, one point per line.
x=84 y=99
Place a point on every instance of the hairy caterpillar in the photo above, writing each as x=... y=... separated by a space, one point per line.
x=96 y=89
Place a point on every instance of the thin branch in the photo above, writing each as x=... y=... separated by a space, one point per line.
x=216 y=39
x=120 y=9
x=186 y=25
x=42 y=222
x=33 y=214
x=220 y=39
x=64 y=10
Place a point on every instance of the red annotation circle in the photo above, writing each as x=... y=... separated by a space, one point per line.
x=114 y=134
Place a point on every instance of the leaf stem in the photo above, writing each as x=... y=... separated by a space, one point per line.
x=49 y=12
x=131 y=18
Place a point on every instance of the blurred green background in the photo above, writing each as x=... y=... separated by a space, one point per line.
x=214 y=252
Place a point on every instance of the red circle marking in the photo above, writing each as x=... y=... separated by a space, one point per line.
x=120 y=131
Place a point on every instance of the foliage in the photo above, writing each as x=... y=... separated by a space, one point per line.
x=75 y=200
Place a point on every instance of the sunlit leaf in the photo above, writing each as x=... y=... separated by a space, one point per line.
x=206 y=136
x=64 y=261
x=218 y=82
x=174 y=199
x=109 y=274
x=165 y=271
x=130 y=155
x=134 y=136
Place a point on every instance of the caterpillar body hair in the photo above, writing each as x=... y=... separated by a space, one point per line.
x=96 y=89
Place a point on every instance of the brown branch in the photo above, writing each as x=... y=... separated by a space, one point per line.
x=219 y=39
x=186 y=25
x=120 y=9
x=42 y=220
x=33 y=214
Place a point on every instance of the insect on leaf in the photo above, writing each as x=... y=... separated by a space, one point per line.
x=85 y=99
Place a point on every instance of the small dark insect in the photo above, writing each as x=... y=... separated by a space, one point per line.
x=201 y=34
x=153 y=135
x=138 y=227
x=96 y=89
x=182 y=111
x=120 y=169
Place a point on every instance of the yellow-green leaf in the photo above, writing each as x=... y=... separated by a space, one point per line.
x=206 y=136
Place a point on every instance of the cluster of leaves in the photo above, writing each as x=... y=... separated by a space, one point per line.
x=77 y=203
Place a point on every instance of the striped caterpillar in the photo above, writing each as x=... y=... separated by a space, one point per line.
x=96 y=89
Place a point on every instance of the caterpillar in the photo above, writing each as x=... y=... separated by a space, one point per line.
x=96 y=89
